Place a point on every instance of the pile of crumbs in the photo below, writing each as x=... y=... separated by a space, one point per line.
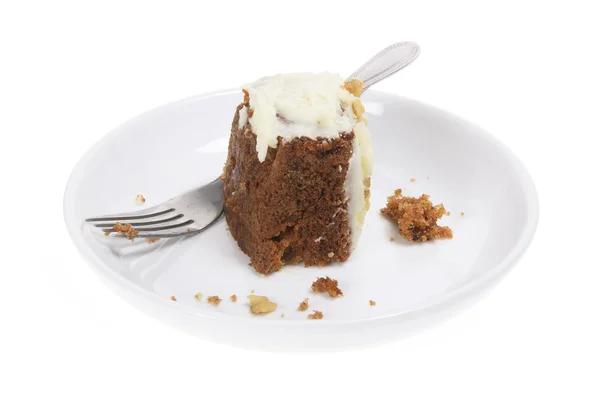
x=304 y=305
x=214 y=300
x=261 y=304
x=416 y=217
x=315 y=315
x=328 y=285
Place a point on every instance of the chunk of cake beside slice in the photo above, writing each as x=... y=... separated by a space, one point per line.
x=297 y=176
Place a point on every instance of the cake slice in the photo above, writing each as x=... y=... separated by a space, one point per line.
x=297 y=176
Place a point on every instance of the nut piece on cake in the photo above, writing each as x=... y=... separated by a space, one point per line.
x=322 y=285
x=416 y=217
x=297 y=175
x=261 y=304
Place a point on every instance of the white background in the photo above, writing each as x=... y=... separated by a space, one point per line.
x=527 y=71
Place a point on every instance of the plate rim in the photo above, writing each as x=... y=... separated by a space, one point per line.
x=471 y=287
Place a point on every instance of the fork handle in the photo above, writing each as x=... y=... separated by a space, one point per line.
x=386 y=63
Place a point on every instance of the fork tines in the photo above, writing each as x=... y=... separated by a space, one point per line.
x=153 y=224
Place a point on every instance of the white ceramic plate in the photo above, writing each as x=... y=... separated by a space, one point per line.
x=183 y=145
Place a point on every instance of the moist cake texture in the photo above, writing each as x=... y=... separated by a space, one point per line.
x=297 y=175
x=416 y=217
x=322 y=285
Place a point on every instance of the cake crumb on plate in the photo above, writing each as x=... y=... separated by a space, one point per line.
x=173 y=298
x=126 y=229
x=413 y=180
x=198 y=296
x=328 y=285
x=372 y=303
x=304 y=305
x=139 y=199
x=315 y=315
x=214 y=300
x=233 y=298
x=152 y=240
x=416 y=217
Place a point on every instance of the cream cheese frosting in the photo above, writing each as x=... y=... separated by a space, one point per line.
x=308 y=105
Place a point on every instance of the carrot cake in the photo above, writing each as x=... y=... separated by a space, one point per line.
x=297 y=176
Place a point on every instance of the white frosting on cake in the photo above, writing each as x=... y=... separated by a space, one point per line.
x=243 y=117
x=360 y=168
x=354 y=189
x=313 y=106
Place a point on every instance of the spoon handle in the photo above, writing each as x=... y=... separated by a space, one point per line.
x=387 y=62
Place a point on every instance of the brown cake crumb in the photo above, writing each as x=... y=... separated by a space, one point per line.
x=462 y=214
x=416 y=217
x=315 y=315
x=233 y=298
x=214 y=300
x=282 y=315
x=261 y=304
x=126 y=229
x=198 y=296
x=304 y=305
x=106 y=233
x=139 y=199
x=152 y=240
x=173 y=298
x=372 y=303
x=413 y=180
x=354 y=86
x=188 y=230
x=392 y=239
x=327 y=285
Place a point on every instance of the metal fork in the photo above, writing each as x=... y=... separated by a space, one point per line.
x=198 y=209
x=188 y=213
